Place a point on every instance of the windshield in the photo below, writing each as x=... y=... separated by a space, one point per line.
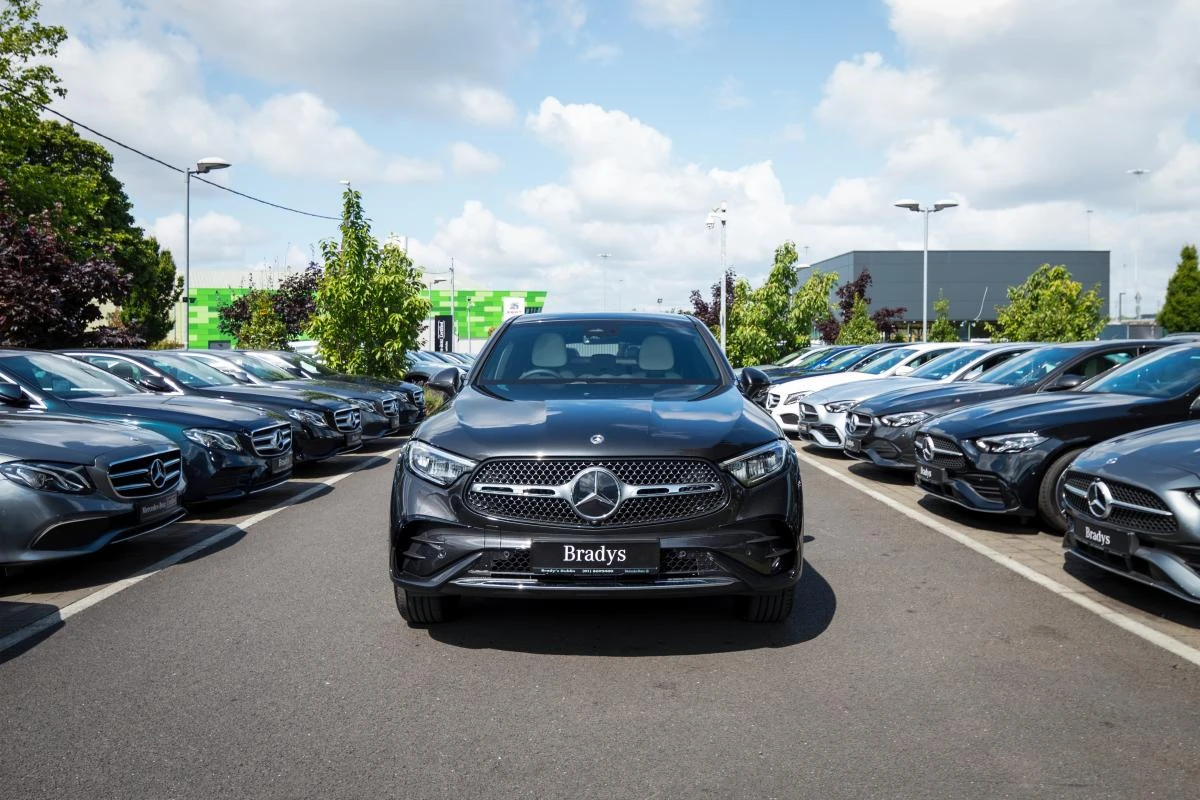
x=64 y=378
x=1031 y=367
x=189 y=372
x=1167 y=373
x=843 y=359
x=810 y=357
x=945 y=366
x=308 y=365
x=887 y=360
x=259 y=369
x=585 y=353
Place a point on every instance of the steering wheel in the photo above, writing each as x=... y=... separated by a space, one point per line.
x=539 y=373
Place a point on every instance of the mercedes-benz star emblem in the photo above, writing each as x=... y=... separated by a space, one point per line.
x=595 y=494
x=924 y=447
x=1099 y=500
x=597 y=438
x=277 y=439
x=158 y=474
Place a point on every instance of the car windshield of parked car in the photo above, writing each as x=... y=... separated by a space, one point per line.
x=260 y=369
x=313 y=367
x=63 y=377
x=190 y=372
x=843 y=359
x=887 y=360
x=600 y=358
x=946 y=365
x=1029 y=368
x=810 y=357
x=1167 y=373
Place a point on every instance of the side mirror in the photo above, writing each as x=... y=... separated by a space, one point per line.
x=753 y=382
x=11 y=395
x=1065 y=382
x=156 y=383
x=447 y=381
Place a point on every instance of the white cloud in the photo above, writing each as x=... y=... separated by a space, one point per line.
x=216 y=239
x=466 y=159
x=794 y=132
x=679 y=17
x=478 y=104
x=411 y=170
x=729 y=95
x=602 y=53
x=569 y=17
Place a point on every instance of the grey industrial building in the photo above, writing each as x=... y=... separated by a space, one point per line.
x=976 y=281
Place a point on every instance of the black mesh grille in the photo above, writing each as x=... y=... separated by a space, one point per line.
x=514 y=563
x=858 y=424
x=885 y=449
x=987 y=487
x=828 y=431
x=946 y=453
x=1128 y=518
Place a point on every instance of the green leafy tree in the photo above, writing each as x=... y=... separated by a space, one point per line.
x=26 y=47
x=1049 y=307
x=265 y=330
x=371 y=301
x=154 y=289
x=1181 y=309
x=942 y=329
x=860 y=328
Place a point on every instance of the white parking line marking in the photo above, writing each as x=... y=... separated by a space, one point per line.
x=59 y=616
x=1152 y=636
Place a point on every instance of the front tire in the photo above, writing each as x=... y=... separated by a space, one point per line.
x=1049 y=507
x=425 y=609
x=769 y=606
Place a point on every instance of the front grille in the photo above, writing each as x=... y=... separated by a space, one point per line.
x=773 y=399
x=1133 y=508
x=418 y=397
x=347 y=419
x=942 y=452
x=828 y=432
x=808 y=413
x=545 y=481
x=389 y=407
x=514 y=563
x=789 y=419
x=139 y=477
x=273 y=441
x=858 y=424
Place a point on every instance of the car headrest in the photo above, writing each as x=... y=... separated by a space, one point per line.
x=656 y=354
x=549 y=350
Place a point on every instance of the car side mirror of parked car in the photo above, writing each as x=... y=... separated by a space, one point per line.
x=1066 y=381
x=447 y=381
x=753 y=381
x=11 y=395
x=156 y=383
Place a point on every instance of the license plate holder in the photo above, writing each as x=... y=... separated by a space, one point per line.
x=280 y=463
x=935 y=476
x=594 y=559
x=1108 y=539
x=353 y=438
x=158 y=509
x=852 y=445
x=394 y=422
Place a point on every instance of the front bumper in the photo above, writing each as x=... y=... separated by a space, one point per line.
x=996 y=483
x=824 y=428
x=1168 y=567
x=883 y=446
x=438 y=545
x=214 y=474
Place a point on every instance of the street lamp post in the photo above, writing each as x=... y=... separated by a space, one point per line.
x=718 y=215
x=429 y=290
x=203 y=166
x=913 y=205
x=1137 y=223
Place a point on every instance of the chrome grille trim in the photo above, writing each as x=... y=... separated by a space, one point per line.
x=130 y=477
x=1133 y=507
x=858 y=424
x=808 y=412
x=773 y=399
x=390 y=406
x=274 y=440
x=347 y=419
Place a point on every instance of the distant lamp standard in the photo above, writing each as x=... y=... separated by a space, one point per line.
x=1137 y=223
x=468 y=326
x=1120 y=306
x=913 y=205
x=203 y=166
x=429 y=289
x=604 y=257
x=718 y=215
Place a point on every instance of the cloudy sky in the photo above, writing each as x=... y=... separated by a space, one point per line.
x=524 y=137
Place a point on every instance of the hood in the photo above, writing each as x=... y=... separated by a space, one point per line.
x=815 y=383
x=1149 y=457
x=188 y=410
x=339 y=388
x=940 y=397
x=72 y=440
x=717 y=427
x=1071 y=412
x=274 y=397
x=861 y=390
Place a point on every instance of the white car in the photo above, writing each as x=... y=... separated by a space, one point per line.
x=784 y=400
x=823 y=413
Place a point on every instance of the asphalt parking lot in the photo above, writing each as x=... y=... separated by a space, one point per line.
x=255 y=651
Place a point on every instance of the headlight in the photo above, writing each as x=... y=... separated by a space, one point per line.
x=904 y=420
x=436 y=466
x=47 y=477
x=794 y=397
x=220 y=440
x=311 y=417
x=757 y=465
x=839 y=406
x=1009 y=443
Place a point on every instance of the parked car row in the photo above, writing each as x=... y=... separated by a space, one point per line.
x=1100 y=441
x=98 y=446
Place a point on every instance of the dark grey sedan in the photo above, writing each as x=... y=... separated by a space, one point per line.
x=69 y=486
x=1134 y=508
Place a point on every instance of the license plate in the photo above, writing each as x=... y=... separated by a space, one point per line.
x=1112 y=541
x=933 y=475
x=595 y=559
x=852 y=446
x=280 y=463
x=353 y=438
x=394 y=422
x=157 y=509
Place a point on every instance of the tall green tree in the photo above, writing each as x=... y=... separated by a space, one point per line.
x=265 y=329
x=26 y=46
x=942 y=329
x=371 y=301
x=1049 y=307
x=1181 y=308
x=860 y=328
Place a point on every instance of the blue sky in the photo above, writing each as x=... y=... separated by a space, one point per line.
x=523 y=137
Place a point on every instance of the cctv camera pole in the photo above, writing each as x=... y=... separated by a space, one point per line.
x=723 y=272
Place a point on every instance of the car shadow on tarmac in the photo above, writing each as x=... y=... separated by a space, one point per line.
x=1135 y=595
x=632 y=628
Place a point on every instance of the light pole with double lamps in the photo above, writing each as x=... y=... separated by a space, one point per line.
x=913 y=205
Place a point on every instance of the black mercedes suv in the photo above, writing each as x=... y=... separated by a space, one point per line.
x=597 y=456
